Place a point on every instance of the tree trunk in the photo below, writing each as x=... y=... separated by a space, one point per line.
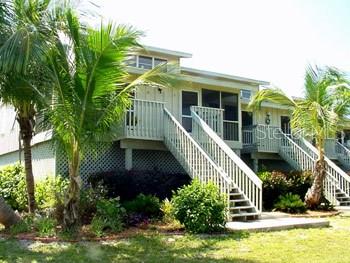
x=7 y=216
x=71 y=208
x=26 y=129
x=314 y=194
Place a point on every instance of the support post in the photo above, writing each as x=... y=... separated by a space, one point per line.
x=256 y=165
x=128 y=158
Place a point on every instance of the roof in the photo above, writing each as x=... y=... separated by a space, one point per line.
x=168 y=52
x=210 y=74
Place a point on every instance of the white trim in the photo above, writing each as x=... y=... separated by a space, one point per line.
x=226 y=76
x=168 y=52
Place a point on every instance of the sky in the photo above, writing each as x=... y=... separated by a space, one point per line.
x=269 y=40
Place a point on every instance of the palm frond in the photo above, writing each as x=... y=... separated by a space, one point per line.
x=272 y=95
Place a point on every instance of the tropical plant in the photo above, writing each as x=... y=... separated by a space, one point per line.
x=318 y=115
x=26 y=31
x=91 y=92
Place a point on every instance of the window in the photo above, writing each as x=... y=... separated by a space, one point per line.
x=211 y=98
x=228 y=102
x=246 y=94
x=188 y=99
x=158 y=61
x=145 y=62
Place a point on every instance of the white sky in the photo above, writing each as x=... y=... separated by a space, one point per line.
x=269 y=40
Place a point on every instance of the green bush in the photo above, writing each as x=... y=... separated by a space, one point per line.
x=168 y=211
x=200 y=208
x=277 y=183
x=290 y=203
x=13 y=186
x=50 y=192
x=147 y=205
x=109 y=216
x=46 y=226
x=23 y=226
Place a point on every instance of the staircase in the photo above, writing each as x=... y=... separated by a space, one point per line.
x=343 y=155
x=205 y=156
x=302 y=155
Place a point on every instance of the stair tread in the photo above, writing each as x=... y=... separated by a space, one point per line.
x=239 y=200
x=241 y=207
x=245 y=214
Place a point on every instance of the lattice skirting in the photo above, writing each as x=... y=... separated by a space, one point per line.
x=43 y=160
x=151 y=159
x=107 y=157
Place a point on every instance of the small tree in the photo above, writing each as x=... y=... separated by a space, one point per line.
x=91 y=92
x=318 y=115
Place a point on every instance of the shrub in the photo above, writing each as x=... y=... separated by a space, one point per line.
x=109 y=215
x=277 y=183
x=147 y=205
x=168 y=211
x=50 y=192
x=88 y=202
x=200 y=208
x=46 y=226
x=290 y=203
x=13 y=186
x=23 y=226
x=129 y=184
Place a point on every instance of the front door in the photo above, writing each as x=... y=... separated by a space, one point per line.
x=189 y=98
x=285 y=124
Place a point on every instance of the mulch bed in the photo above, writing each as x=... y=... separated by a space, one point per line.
x=317 y=214
x=84 y=235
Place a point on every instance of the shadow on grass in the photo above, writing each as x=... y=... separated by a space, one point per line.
x=156 y=248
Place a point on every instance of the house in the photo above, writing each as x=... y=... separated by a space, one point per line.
x=203 y=128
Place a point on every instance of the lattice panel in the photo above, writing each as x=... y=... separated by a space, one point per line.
x=149 y=160
x=107 y=158
x=43 y=160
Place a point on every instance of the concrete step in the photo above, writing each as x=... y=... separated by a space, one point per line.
x=244 y=214
x=239 y=200
x=242 y=207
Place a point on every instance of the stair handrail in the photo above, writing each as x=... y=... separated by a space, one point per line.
x=342 y=148
x=227 y=180
x=226 y=153
x=330 y=164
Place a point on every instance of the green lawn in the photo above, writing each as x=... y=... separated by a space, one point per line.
x=300 y=245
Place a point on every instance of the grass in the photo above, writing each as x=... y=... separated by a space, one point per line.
x=298 y=245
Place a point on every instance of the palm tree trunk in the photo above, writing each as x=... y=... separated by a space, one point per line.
x=26 y=122
x=27 y=151
x=71 y=209
x=7 y=216
x=314 y=194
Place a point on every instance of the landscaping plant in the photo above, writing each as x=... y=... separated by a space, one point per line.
x=200 y=208
x=290 y=203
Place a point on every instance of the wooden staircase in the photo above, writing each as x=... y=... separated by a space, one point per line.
x=205 y=156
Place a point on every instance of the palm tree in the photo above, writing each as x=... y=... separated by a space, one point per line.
x=318 y=115
x=91 y=93
x=26 y=30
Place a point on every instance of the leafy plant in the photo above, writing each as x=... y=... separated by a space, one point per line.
x=13 y=186
x=23 y=226
x=290 y=203
x=45 y=226
x=146 y=205
x=200 y=208
x=109 y=215
x=50 y=192
x=168 y=211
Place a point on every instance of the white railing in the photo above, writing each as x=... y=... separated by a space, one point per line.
x=240 y=174
x=144 y=120
x=212 y=116
x=247 y=136
x=330 y=148
x=192 y=157
x=343 y=154
x=264 y=138
x=304 y=159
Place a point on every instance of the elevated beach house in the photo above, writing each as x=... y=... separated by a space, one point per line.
x=203 y=129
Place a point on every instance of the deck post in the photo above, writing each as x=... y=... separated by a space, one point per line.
x=256 y=165
x=128 y=158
